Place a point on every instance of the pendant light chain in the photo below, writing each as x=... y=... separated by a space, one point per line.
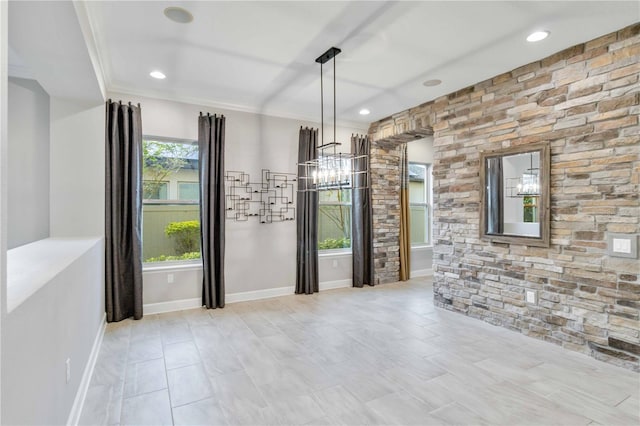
x=321 y=108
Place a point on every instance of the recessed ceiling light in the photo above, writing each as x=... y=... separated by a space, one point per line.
x=364 y=111
x=157 y=74
x=178 y=14
x=537 y=36
x=430 y=83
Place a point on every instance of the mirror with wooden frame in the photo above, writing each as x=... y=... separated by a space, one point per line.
x=514 y=195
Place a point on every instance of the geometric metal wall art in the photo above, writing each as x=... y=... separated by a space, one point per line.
x=270 y=200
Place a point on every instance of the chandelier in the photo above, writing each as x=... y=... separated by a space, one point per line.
x=526 y=185
x=332 y=169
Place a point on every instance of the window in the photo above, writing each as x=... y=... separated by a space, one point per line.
x=170 y=208
x=334 y=219
x=419 y=203
x=530 y=209
x=155 y=190
x=188 y=191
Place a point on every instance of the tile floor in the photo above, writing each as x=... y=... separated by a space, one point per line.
x=381 y=355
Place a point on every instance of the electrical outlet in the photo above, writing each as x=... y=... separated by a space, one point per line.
x=622 y=245
x=169 y=278
x=531 y=296
x=68 y=367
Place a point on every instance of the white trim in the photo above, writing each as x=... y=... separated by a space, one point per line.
x=334 y=253
x=245 y=296
x=172 y=305
x=422 y=273
x=91 y=44
x=154 y=94
x=19 y=71
x=330 y=285
x=422 y=247
x=78 y=402
x=186 y=265
x=267 y=293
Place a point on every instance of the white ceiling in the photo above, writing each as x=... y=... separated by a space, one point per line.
x=259 y=56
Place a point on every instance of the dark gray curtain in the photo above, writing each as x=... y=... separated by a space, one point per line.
x=123 y=211
x=307 y=217
x=495 y=220
x=362 y=215
x=212 y=214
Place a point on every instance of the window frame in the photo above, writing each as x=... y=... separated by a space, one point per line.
x=427 y=204
x=171 y=264
x=349 y=204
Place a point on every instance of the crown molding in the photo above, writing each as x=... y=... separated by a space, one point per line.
x=356 y=126
x=89 y=34
x=19 y=71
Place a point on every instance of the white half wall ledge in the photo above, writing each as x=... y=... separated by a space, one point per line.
x=31 y=266
x=78 y=402
x=246 y=296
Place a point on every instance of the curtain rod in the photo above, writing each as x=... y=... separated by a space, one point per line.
x=209 y=115
x=120 y=102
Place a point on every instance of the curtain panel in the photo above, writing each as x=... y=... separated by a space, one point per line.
x=123 y=211
x=307 y=217
x=405 y=233
x=211 y=135
x=362 y=215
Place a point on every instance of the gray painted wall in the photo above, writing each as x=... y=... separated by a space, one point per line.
x=77 y=169
x=28 y=167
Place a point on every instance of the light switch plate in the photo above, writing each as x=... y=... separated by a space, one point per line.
x=622 y=245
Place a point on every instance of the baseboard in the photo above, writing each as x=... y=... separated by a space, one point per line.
x=245 y=296
x=422 y=273
x=330 y=285
x=267 y=293
x=172 y=305
x=81 y=394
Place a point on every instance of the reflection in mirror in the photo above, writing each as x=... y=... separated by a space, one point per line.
x=515 y=195
x=521 y=192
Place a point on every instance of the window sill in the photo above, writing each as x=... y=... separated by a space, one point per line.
x=334 y=253
x=422 y=246
x=170 y=266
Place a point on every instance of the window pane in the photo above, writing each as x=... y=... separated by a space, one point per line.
x=335 y=196
x=334 y=227
x=170 y=231
x=183 y=243
x=167 y=162
x=188 y=191
x=155 y=190
x=419 y=225
x=416 y=192
x=417 y=171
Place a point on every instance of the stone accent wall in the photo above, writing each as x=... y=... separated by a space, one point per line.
x=385 y=195
x=585 y=101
